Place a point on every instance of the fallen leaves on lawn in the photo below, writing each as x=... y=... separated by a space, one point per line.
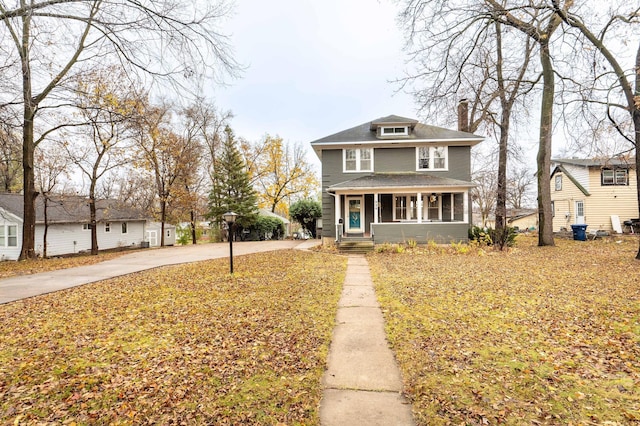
x=536 y=335
x=179 y=345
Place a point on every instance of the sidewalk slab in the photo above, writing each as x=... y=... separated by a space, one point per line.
x=362 y=384
x=364 y=408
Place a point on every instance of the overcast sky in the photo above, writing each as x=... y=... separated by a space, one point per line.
x=313 y=67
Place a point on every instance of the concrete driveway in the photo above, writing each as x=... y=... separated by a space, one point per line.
x=24 y=286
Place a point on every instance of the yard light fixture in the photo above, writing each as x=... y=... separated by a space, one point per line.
x=230 y=218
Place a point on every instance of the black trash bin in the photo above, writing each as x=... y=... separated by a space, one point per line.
x=579 y=232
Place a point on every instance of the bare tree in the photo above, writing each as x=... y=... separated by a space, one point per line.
x=539 y=23
x=46 y=41
x=457 y=47
x=622 y=85
x=106 y=105
x=51 y=168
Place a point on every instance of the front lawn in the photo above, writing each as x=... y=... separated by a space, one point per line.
x=179 y=345
x=532 y=336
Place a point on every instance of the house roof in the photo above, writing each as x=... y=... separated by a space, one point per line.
x=563 y=170
x=400 y=180
x=597 y=162
x=70 y=209
x=366 y=132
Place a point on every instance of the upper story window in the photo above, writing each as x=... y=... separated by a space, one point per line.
x=394 y=131
x=358 y=160
x=432 y=158
x=614 y=177
x=558 y=182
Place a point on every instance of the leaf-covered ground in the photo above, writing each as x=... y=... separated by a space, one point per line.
x=533 y=336
x=33 y=266
x=181 y=345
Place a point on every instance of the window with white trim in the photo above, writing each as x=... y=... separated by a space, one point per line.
x=358 y=160
x=124 y=227
x=405 y=207
x=558 y=182
x=86 y=226
x=394 y=131
x=8 y=235
x=107 y=227
x=432 y=158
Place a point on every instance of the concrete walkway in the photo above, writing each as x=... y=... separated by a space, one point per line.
x=362 y=384
x=24 y=286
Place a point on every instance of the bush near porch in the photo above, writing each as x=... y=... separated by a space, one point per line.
x=533 y=335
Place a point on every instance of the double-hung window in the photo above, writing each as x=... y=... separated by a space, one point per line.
x=614 y=177
x=358 y=160
x=432 y=158
x=8 y=236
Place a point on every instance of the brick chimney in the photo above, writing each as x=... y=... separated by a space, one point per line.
x=463 y=115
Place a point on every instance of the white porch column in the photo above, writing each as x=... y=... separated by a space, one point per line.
x=376 y=206
x=336 y=213
x=465 y=212
x=419 y=207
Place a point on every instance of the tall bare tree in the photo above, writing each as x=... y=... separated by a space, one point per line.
x=621 y=84
x=175 y=40
x=458 y=50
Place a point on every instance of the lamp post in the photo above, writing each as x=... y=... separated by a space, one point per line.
x=230 y=218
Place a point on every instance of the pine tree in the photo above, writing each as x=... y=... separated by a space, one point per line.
x=232 y=190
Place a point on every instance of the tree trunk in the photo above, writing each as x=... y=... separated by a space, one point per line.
x=636 y=127
x=545 y=231
x=194 y=238
x=94 y=227
x=46 y=226
x=28 y=148
x=30 y=194
x=163 y=217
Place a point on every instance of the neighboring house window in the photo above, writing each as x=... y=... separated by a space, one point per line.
x=558 y=182
x=168 y=232
x=553 y=209
x=8 y=236
x=107 y=227
x=86 y=226
x=432 y=158
x=358 y=160
x=124 y=227
x=395 y=131
x=614 y=177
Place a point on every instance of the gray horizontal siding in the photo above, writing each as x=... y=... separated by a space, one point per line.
x=440 y=232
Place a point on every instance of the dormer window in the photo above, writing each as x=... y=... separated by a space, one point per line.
x=394 y=131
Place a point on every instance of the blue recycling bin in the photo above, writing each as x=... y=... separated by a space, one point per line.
x=579 y=232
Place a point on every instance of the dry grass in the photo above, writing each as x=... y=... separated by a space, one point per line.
x=532 y=336
x=178 y=345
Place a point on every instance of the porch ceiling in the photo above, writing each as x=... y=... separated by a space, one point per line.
x=395 y=181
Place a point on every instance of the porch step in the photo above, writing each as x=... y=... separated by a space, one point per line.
x=356 y=245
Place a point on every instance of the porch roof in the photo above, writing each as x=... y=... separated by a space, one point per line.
x=391 y=181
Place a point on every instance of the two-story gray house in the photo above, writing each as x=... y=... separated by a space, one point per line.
x=394 y=179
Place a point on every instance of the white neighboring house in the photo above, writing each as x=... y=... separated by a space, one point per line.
x=69 y=230
x=154 y=230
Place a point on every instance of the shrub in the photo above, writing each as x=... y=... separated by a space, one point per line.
x=488 y=236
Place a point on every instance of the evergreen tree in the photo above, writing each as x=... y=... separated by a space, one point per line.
x=232 y=190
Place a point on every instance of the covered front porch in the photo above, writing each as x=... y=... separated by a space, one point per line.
x=399 y=217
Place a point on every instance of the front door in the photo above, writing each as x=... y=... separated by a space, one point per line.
x=354 y=215
x=579 y=212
